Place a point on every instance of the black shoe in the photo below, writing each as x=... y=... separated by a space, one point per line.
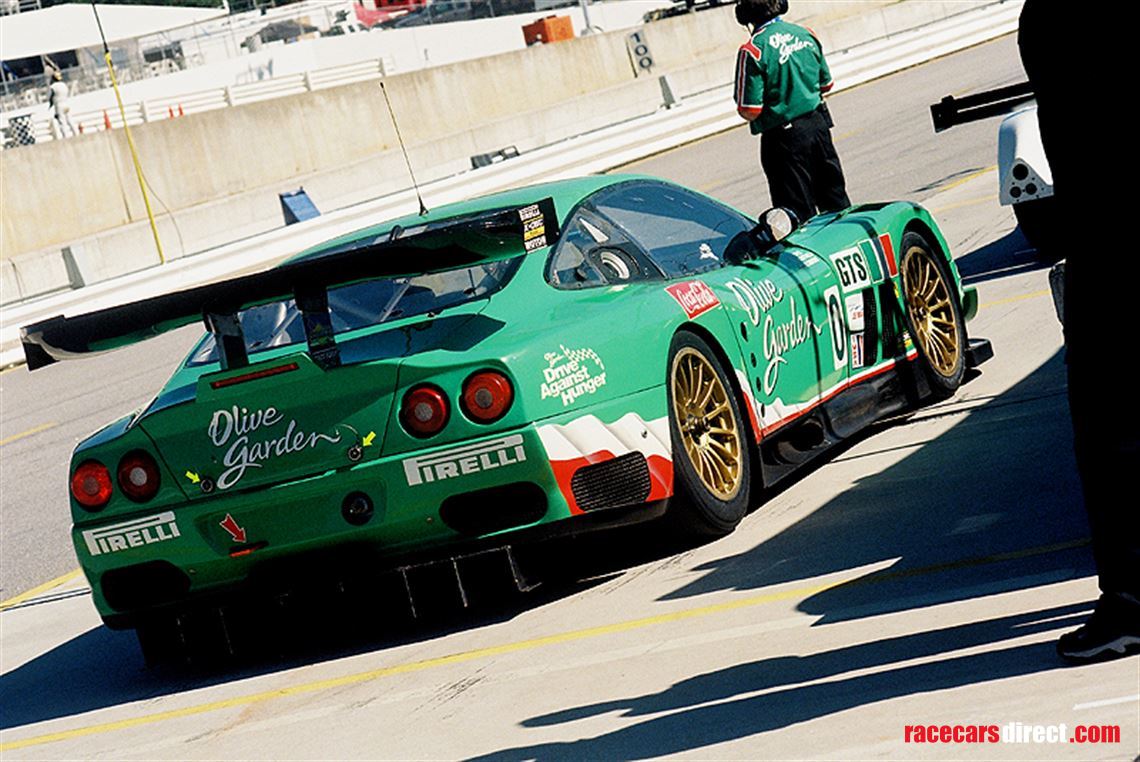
x=1111 y=632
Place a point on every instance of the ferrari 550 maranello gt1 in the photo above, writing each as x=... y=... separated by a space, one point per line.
x=442 y=388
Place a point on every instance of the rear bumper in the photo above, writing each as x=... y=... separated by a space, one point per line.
x=516 y=487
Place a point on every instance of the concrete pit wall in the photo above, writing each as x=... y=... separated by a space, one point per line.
x=219 y=172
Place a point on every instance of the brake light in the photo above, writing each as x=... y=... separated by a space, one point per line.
x=139 y=476
x=487 y=396
x=91 y=485
x=424 y=411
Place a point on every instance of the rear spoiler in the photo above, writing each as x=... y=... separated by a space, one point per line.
x=951 y=111
x=460 y=242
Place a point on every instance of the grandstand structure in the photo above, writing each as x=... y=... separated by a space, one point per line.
x=174 y=61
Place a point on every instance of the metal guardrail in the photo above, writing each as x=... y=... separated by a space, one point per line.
x=141 y=112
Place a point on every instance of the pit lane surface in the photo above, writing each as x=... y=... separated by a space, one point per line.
x=918 y=577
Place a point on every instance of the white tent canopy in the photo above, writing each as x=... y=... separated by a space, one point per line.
x=72 y=26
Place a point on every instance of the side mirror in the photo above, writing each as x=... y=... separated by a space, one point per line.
x=779 y=223
x=774 y=225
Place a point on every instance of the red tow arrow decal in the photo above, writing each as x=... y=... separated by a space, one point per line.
x=230 y=525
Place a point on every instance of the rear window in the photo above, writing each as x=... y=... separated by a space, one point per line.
x=370 y=303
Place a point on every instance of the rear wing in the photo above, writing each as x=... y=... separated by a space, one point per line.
x=951 y=111
x=434 y=247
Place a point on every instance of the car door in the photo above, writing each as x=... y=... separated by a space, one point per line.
x=775 y=302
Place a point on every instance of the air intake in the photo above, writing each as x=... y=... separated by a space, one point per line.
x=621 y=481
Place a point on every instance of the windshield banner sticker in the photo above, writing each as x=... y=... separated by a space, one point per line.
x=233 y=427
x=461 y=461
x=572 y=373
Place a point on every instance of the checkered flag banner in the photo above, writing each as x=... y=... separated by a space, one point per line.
x=21 y=130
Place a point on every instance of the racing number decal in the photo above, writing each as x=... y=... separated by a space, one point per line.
x=837 y=321
x=851 y=267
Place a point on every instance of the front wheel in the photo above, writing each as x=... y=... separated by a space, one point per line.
x=933 y=315
x=711 y=459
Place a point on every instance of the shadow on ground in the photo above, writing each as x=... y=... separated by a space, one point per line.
x=991 y=505
x=103 y=668
x=1009 y=255
x=769 y=694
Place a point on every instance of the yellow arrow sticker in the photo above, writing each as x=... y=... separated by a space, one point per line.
x=193 y=477
x=368 y=439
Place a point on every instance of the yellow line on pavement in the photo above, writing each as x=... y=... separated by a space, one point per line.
x=49 y=585
x=966 y=179
x=962 y=204
x=1020 y=298
x=526 y=645
x=419 y=666
x=29 y=432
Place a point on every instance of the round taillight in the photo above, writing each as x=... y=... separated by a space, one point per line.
x=424 y=411
x=91 y=485
x=139 y=476
x=487 y=396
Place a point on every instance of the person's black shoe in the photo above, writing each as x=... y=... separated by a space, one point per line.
x=1111 y=632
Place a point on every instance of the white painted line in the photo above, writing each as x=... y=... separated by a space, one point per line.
x=1108 y=702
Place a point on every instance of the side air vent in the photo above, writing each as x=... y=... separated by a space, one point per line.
x=621 y=481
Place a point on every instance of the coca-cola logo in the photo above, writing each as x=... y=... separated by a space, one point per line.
x=694 y=296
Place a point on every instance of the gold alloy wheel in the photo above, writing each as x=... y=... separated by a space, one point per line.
x=707 y=426
x=931 y=312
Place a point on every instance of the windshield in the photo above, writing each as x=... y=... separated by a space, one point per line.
x=370 y=303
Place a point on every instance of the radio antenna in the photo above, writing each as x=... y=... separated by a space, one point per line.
x=400 y=138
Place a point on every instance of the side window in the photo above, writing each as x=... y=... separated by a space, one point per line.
x=593 y=253
x=685 y=234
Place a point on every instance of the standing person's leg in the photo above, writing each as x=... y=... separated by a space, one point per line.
x=1106 y=442
x=1106 y=428
x=828 y=184
x=785 y=157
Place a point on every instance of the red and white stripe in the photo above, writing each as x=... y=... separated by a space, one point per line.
x=587 y=440
x=766 y=419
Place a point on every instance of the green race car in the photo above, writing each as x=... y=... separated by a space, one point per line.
x=436 y=392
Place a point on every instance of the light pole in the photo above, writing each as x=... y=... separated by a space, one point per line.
x=127 y=131
x=585 y=5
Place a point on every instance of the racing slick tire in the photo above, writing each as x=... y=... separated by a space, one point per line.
x=712 y=462
x=933 y=315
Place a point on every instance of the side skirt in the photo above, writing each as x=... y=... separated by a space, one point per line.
x=842 y=416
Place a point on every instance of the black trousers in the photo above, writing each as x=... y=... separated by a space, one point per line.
x=802 y=167
x=1099 y=315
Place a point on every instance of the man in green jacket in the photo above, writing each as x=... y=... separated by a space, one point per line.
x=781 y=76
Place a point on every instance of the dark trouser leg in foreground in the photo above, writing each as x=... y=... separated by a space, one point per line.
x=1106 y=424
x=1107 y=448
